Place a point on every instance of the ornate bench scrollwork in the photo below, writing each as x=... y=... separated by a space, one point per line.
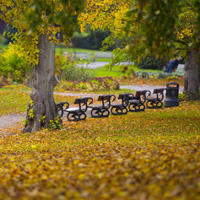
x=102 y=110
x=61 y=106
x=137 y=102
x=77 y=113
x=155 y=101
x=121 y=108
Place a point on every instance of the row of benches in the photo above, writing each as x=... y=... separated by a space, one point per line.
x=129 y=102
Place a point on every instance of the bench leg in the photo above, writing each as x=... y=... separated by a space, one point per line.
x=119 y=110
x=82 y=115
x=142 y=107
x=151 y=104
x=159 y=104
x=99 y=113
x=133 y=107
x=60 y=110
x=71 y=116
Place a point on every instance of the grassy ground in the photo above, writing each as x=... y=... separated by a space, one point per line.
x=71 y=50
x=2 y=46
x=125 y=77
x=146 y=155
x=15 y=99
x=119 y=71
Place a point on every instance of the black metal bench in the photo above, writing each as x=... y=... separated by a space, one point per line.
x=60 y=107
x=102 y=110
x=137 y=102
x=121 y=108
x=155 y=101
x=75 y=113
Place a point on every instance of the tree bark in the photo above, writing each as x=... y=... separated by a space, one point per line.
x=192 y=76
x=43 y=106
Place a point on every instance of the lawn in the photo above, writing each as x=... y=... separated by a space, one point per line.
x=3 y=46
x=146 y=155
x=71 y=50
x=127 y=77
x=15 y=98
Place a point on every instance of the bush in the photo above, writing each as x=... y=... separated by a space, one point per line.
x=92 y=41
x=160 y=75
x=66 y=69
x=75 y=73
x=150 y=62
x=182 y=97
x=13 y=65
x=91 y=85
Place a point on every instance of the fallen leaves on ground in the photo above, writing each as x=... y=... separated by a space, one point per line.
x=146 y=155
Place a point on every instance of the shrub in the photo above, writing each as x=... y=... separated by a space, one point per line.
x=92 y=84
x=92 y=41
x=66 y=69
x=14 y=65
x=75 y=73
x=159 y=75
x=150 y=62
x=182 y=97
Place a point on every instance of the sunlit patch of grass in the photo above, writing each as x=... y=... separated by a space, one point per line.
x=15 y=99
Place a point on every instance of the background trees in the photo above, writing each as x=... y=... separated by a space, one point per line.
x=152 y=28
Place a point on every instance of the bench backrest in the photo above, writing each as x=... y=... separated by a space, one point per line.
x=61 y=107
x=125 y=98
x=159 y=93
x=83 y=102
x=106 y=100
x=142 y=95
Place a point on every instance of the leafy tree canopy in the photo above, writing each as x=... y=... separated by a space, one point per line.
x=151 y=26
x=35 y=17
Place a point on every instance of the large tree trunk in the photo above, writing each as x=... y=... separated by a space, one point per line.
x=43 y=106
x=192 y=76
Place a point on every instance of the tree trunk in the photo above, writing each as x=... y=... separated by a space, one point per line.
x=192 y=76
x=43 y=108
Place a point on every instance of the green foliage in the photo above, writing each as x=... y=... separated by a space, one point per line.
x=2 y=39
x=15 y=98
x=91 y=84
x=92 y=41
x=151 y=62
x=13 y=65
x=61 y=12
x=66 y=68
x=182 y=97
x=159 y=75
x=55 y=123
x=120 y=55
x=156 y=21
x=25 y=122
x=75 y=73
x=31 y=113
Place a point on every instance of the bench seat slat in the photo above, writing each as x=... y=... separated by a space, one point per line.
x=152 y=98
x=134 y=101
x=95 y=106
x=73 y=109
x=116 y=104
